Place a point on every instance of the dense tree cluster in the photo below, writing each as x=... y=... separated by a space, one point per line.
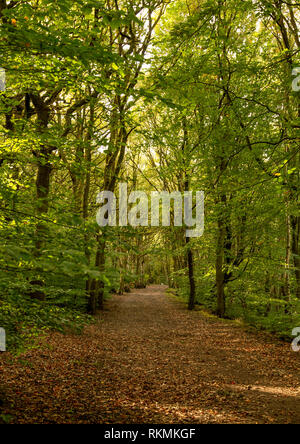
x=163 y=95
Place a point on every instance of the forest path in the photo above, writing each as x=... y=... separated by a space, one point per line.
x=148 y=360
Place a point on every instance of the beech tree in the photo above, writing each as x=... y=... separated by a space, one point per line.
x=165 y=96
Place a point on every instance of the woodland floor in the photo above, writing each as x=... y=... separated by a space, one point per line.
x=148 y=360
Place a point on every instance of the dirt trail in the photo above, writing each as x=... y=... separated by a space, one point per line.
x=148 y=360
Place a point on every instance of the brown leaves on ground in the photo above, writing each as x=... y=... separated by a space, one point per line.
x=148 y=360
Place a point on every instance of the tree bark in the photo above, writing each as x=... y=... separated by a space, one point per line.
x=220 y=282
x=190 y=261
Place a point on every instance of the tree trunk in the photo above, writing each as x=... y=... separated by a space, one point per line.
x=220 y=283
x=42 y=182
x=190 y=261
x=295 y=226
x=42 y=194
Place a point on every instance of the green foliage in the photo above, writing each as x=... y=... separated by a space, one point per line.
x=26 y=321
x=100 y=93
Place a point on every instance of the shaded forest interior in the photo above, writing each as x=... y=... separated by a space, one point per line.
x=163 y=96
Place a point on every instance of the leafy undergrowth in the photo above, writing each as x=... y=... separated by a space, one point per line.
x=261 y=315
x=27 y=321
x=149 y=360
